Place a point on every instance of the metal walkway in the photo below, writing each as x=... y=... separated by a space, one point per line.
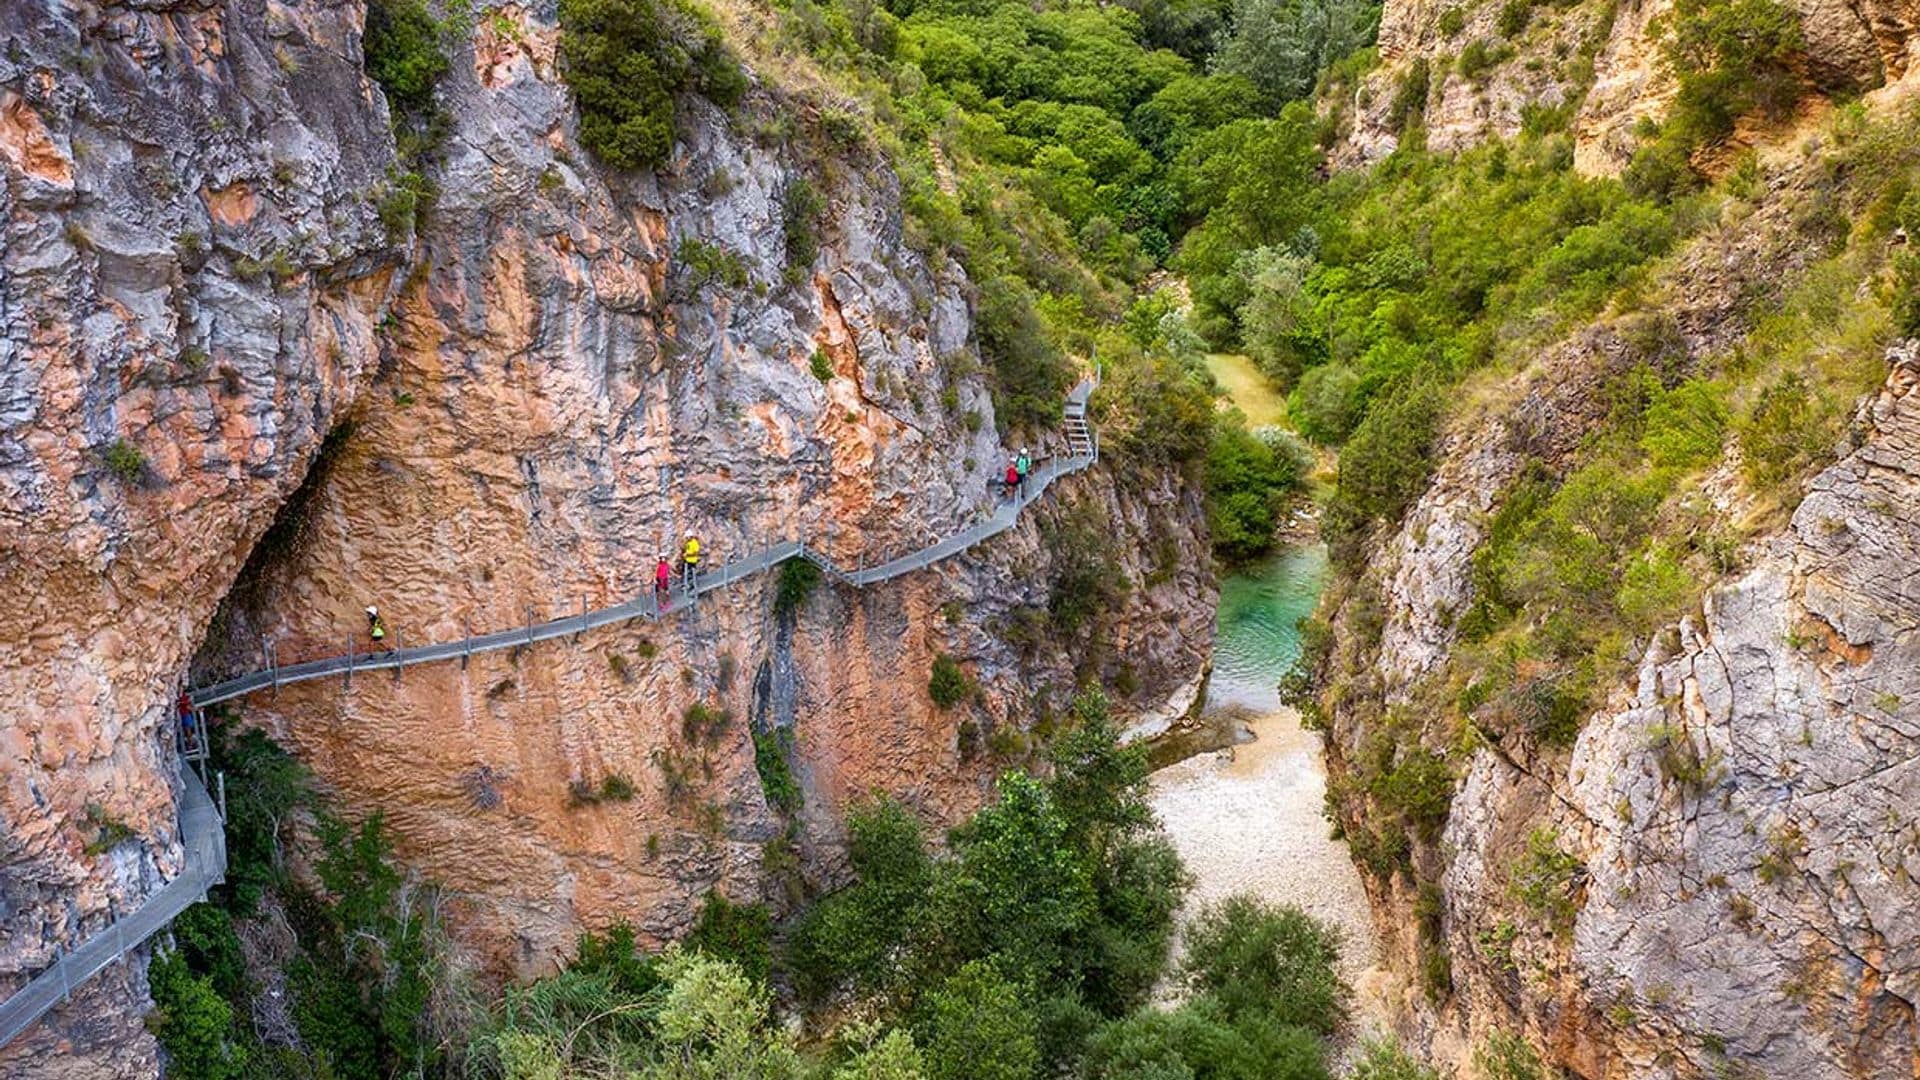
x=1083 y=450
x=203 y=836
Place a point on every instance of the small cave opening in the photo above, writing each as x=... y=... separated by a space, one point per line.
x=234 y=640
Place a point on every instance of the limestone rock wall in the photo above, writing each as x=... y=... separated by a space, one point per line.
x=1755 y=913
x=1598 y=61
x=1737 y=812
x=566 y=392
x=189 y=279
x=216 y=356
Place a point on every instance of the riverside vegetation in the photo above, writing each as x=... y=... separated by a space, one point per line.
x=1028 y=945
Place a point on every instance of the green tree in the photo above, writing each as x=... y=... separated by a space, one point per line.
x=1384 y=465
x=1255 y=959
x=1030 y=374
x=404 y=52
x=1278 y=324
x=864 y=936
x=626 y=59
x=713 y=1024
x=1327 y=403
x=1247 y=183
x=1017 y=890
x=1245 y=478
x=975 y=1026
x=192 y=1022
x=1281 y=46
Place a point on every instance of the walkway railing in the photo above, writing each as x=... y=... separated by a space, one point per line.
x=1084 y=450
x=205 y=841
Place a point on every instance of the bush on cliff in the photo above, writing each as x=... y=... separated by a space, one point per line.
x=626 y=60
x=404 y=52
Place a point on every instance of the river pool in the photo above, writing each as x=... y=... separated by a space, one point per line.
x=1247 y=819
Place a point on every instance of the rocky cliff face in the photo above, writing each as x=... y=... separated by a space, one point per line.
x=1491 y=69
x=568 y=369
x=1730 y=849
x=189 y=282
x=1736 y=815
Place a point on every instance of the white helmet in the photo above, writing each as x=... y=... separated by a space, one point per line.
x=372 y=611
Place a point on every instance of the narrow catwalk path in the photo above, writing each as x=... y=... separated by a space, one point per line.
x=1083 y=449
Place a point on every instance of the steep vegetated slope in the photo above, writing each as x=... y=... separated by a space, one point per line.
x=1617 y=679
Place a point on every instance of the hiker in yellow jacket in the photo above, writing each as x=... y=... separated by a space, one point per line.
x=690 y=559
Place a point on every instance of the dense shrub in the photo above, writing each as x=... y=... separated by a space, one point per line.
x=125 y=461
x=1259 y=960
x=948 y=685
x=1198 y=1039
x=404 y=52
x=1381 y=1060
x=741 y=934
x=1507 y=1057
x=798 y=579
x=626 y=59
x=800 y=209
x=771 y=750
x=1685 y=427
x=1087 y=581
x=708 y=264
x=1788 y=427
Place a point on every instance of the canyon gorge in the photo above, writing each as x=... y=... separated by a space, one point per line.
x=1611 y=694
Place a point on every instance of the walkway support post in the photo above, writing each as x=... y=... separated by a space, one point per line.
x=349 y=663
